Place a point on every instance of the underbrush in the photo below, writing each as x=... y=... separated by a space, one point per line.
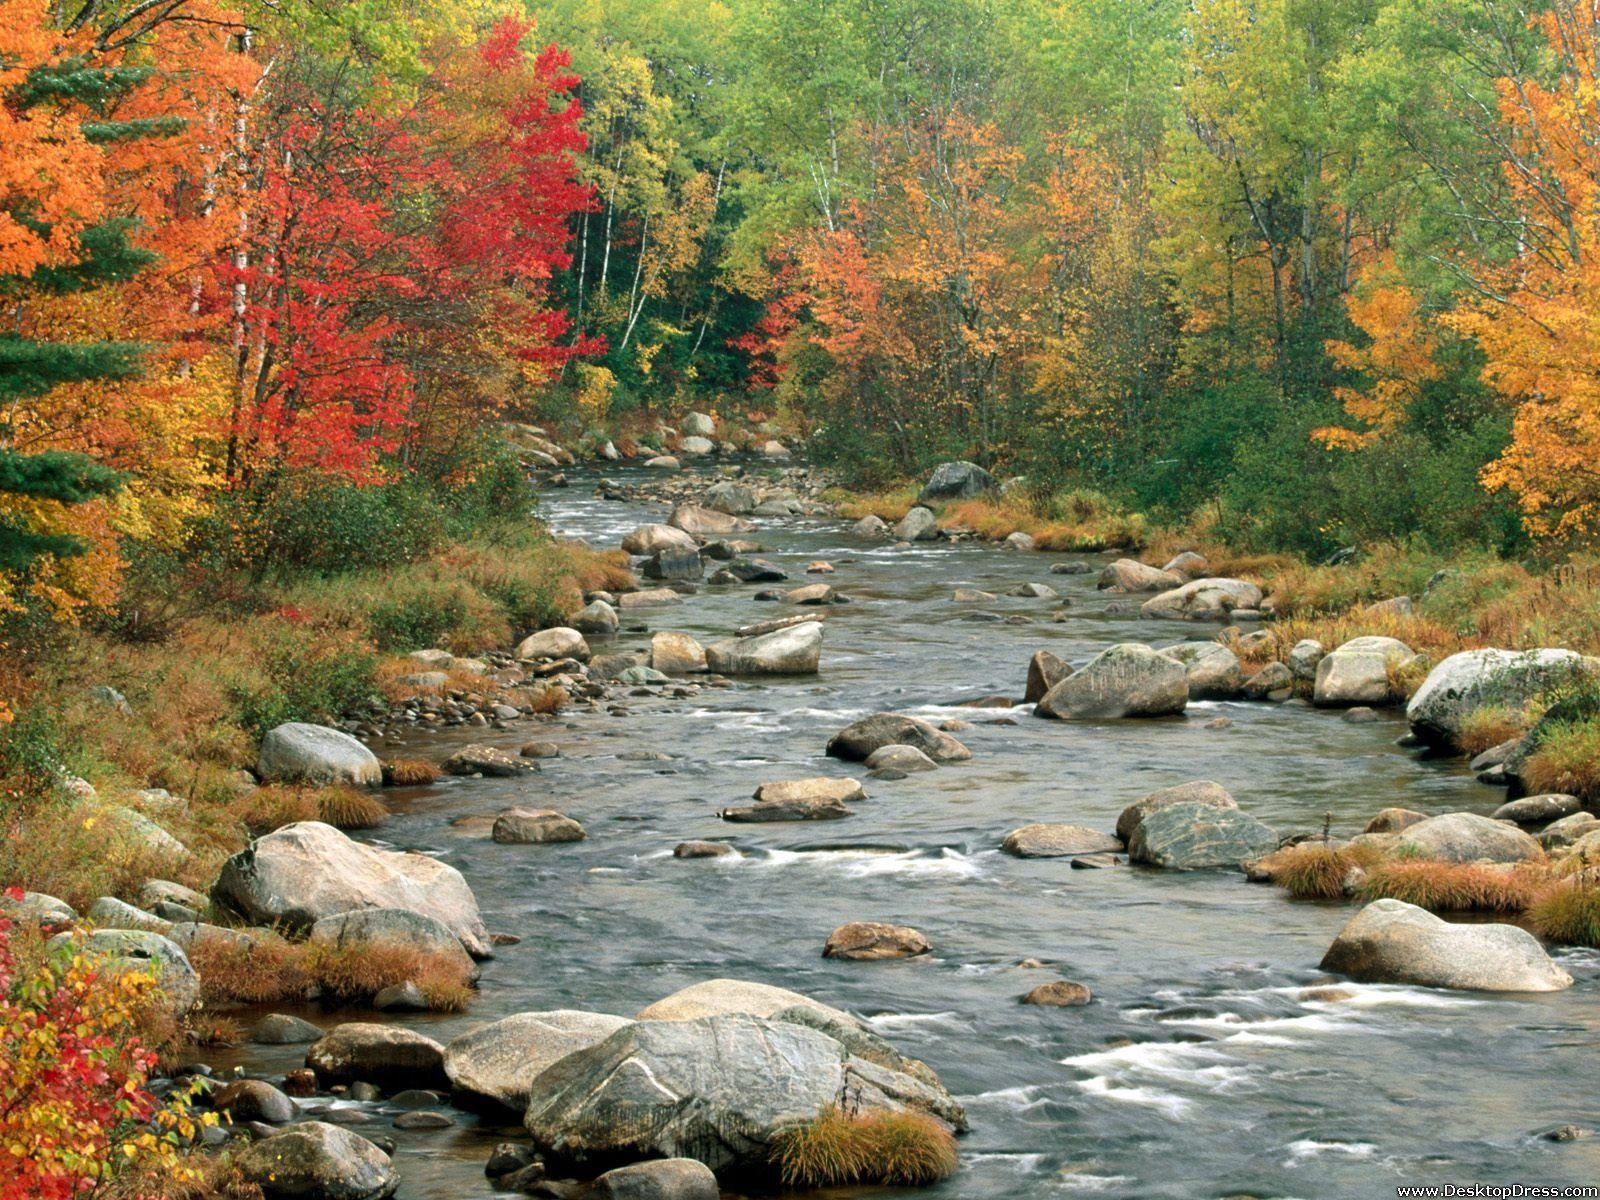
x=1457 y=887
x=1568 y=913
x=889 y=506
x=1490 y=726
x=895 y=1149
x=1073 y=520
x=1316 y=870
x=1566 y=759
x=267 y=969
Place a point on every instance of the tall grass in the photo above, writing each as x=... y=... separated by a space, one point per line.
x=1457 y=887
x=1568 y=913
x=1316 y=870
x=1566 y=759
x=895 y=1149
x=268 y=969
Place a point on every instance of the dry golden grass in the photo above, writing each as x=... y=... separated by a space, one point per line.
x=550 y=700
x=265 y=970
x=409 y=772
x=1065 y=521
x=889 y=506
x=901 y=1149
x=1458 y=887
x=1315 y=870
x=1568 y=913
x=270 y=968
x=1485 y=728
x=1566 y=759
x=350 y=808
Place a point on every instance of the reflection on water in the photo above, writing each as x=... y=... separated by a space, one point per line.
x=1209 y=1065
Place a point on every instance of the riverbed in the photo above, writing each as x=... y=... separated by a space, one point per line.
x=1206 y=1065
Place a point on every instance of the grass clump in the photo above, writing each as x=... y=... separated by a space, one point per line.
x=903 y=1149
x=1316 y=870
x=409 y=772
x=1075 y=519
x=1568 y=913
x=1490 y=726
x=889 y=506
x=1457 y=887
x=1566 y=759
x=350 y=808
x=269 y=968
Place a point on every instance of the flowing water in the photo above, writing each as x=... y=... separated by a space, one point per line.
x=1203 y=1068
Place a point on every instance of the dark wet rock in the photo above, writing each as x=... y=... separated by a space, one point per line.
x=659 y=1179
x=318 y=1161
x=424 y=1119
x=816 y=808
x=1539 y=810
x=703 y=850
x=857 y=741
x=873 y=941
x=1062 y=993
x=385 y=1054
x=1193 y=836
x=1093 y=862
x=284 y=1029
x=676 y=562
x=498 y=1061
x=1467 y=837
x=1198 y=791
x=1058 y=841
x=958 y=480
x=534 y=826
x=1072 y=568
x=508 y=1157
x=301 y=1082
x=1390 y=941
x=298 y=752
x=254 y=1100
x=717 y=1089
x=303 y=872
x=1566 y=1133
x=1126 y=680
x=1045 y=670
x=755 y=570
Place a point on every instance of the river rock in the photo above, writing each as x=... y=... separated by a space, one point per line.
x=719 y=997
x=755 y=570
x=726 y=496
x=1475 y=679
x=498 y=1061
x=794 y=650
x=285 y=1029
x=1568 y=830
x=918 y=525
x=560 y=642
x=811 y=594
x=674 y=563
x=1304 y=658
x=1203 y=600
x=254 y=1100
x=772 y=448
x=597 y=617
x=664 y=462
x=1193 y=836
x=1126 y=680
x=1461 y=837
x=489 y=761
x=696 y=447
x=651 y=539
x=119 y=952
x=856 y=742
x=907 y=760
x=870 y=527
x=966 y=595
x=1189 y=563
x=1390 y=941
x=388 y=1055
x=799 y=808
x=1062 y=993
x=535 y=826
x=110 y=913
x=297 y=752
x=1539 y=810
x=873 y=941
x=1393 y=820
x=317 y=1161
x=648 y=598
x=1130 y=575
x=658 y=1179
x=704 y=850
x=1211 y=670
x=303 y=872
x=784 y=791
x=1358 y=672
x=1273 y=682
x=1058 y=841
x=697 y=520
x=959 y=480
x=718 y=1089
x=1045 y=670
x=1198 y=791
x=676 y=654
x=38 y=909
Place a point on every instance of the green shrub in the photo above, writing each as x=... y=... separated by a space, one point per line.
x=300 y=674
x=416 y=621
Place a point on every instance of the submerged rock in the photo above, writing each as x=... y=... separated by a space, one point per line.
x=824 y=788
x=1063 y=993
x=1390 y=941
x=905 y=760
x=1197 y=791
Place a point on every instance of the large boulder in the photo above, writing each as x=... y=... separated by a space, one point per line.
x=366 y=926
x=676 y=654
x=958 y=480
x=729 y=497
x=119 y=952
x=1188 y=837
x=1058 y=841
x=1203 y=600
x=303 y=872
x=651 y=539
x=716 y=1089
x=918 y=525
x=657 y=1179
x=1212 y=670
x=699 y=424
x=301 y=753
x=317 y=1161
x=1130 y=575
x=387 y=1055
x=1126 y=680
x=498 y=1061
x=720 y=997
x=794 y=650
x=1045 y=670
x=1474 y=679
x=699 y=521
x=1390 y=941
x=1359 y=672
x=1462 y=837
x=560 y=642
x=596 y=617
x=856 y=742
x=1196 y=791
x=674 y=563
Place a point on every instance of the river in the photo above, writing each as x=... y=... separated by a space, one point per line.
x=1201 y=1069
